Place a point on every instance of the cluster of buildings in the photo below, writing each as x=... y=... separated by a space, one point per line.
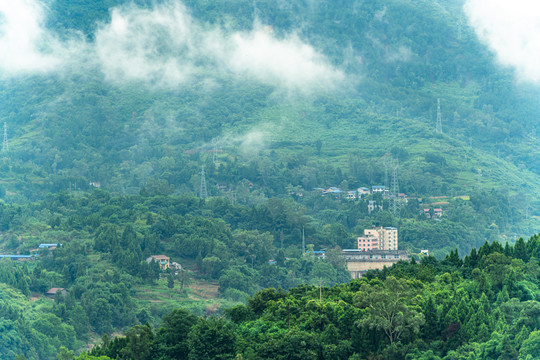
x=377 y=248
x=33 y=253
x=358 y=193
x=353 y=194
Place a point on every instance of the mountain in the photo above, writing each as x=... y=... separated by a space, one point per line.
x=120 y=117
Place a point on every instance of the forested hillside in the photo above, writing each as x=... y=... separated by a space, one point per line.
x=483 y=307
x=230 y=136
x=373 y=88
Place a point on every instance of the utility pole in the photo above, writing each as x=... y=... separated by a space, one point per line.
x=396 y=205
x=438 y=127
x=203 y=190
x=5 y=144
x=214 y=151
x=303 y=242
x=386 y=165
x=479 y=179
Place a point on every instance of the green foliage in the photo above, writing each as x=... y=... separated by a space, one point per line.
x=145 y=146
x=392 y=315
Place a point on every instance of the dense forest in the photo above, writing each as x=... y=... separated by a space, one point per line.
x=482 y=307
x=211 y=131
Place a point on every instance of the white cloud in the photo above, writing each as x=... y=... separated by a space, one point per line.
x=287 y=62
x=24 y=45
x=27 y=47
x=162 y=46
x=156 y=46
x=166 y=46
x=512 y=30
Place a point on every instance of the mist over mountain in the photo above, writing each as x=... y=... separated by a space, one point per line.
x=213 y=131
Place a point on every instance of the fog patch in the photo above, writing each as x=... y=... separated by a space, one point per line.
x=511 y=29
x=166 y=46
x=163 y=46
x=157 y=46
x=400 y=54
x=25 y=45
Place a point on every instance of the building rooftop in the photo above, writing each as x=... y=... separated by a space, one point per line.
x=52 y=291
x=17 y=256
x=160 y=257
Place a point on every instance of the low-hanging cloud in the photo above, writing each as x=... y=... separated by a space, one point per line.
x=512 y=30
x=25 y=46
x=161 y=46
x=165 y=45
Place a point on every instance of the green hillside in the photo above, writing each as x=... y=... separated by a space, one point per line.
x=113 y=110
x=80 y=127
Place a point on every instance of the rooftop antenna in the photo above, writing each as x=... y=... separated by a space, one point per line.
x=5 y=145
x=438 y=128
x=203 y=190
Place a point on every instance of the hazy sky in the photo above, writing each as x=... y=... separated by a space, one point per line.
x=163 y=46
x=511 y=29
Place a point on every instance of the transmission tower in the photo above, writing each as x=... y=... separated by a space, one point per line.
x=396 y=204
x=5 y=145
x=438 y=128
x=203 y=190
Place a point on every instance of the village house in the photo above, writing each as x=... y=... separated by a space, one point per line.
x=351 y=195
x=163 y=261
x=18 y=257
x=52 y=292
x=333 y=191
x=362 y=191
x=48 y=246
x=378 y=189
